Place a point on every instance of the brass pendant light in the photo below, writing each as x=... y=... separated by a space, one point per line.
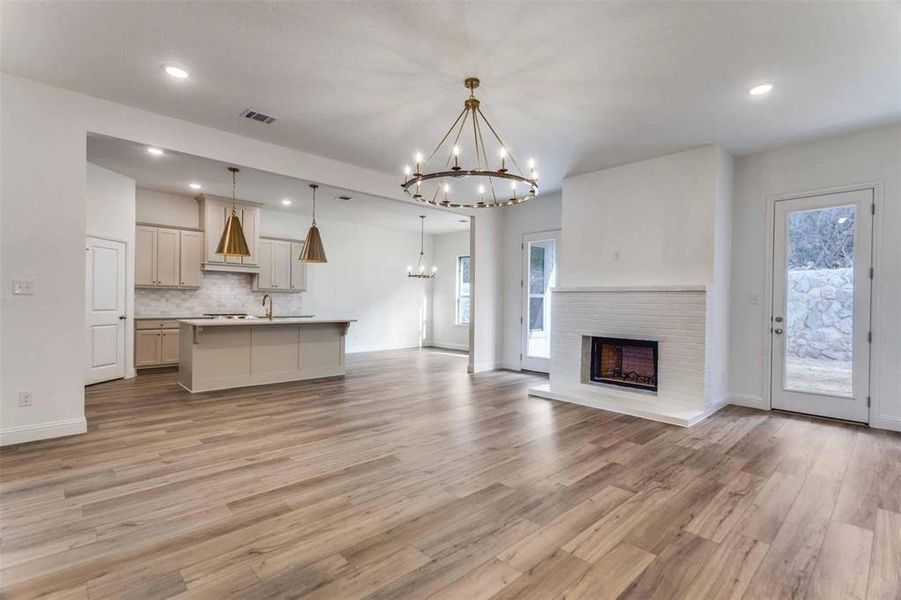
x=233 y=242
x=313 y=252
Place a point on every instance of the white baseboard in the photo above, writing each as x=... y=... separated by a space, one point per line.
x=448 y=346
x=42 y=431
x=482 y=367
x=511 y=366
x=747 y=400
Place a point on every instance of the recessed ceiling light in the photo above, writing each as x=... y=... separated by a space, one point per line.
x=155 y=151
x=195 y=186
x=286 y=201
x=760 y=90
x=176 y=72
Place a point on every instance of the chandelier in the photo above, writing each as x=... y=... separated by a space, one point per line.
x=476 y=186
x=420 y=272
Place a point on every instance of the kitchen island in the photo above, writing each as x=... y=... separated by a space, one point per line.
x=218 y=354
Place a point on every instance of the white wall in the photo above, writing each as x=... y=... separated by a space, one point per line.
x=110 y=199
x=657 y=213
x=541 y=214
x=445 y=331
x=717 y=338
x=163 y=208
x=869 y=156
x=365 y=278
x=42 y=228
x=485 y=331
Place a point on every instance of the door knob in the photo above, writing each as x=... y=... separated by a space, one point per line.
x=122 y=317
x=778 y=330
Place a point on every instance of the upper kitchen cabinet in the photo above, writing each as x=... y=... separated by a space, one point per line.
x=214 y=213
x=280 y=267
x=167 y=257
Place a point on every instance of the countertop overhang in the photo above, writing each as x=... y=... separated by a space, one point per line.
x=260 y=321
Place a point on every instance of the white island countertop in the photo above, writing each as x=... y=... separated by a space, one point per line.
x=261 y=321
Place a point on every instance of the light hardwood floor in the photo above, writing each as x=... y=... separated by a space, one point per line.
x=411 y=479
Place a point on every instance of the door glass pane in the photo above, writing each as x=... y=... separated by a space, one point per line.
x=819 y=320
x=541 y=277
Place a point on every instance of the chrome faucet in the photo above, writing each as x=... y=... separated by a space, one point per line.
x=268 y=312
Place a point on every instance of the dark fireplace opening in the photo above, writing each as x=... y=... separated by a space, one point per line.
x=629 y=363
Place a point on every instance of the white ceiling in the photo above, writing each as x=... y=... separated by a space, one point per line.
x=173 y=171
x=579 y=86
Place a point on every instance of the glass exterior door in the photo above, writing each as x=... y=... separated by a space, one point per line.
x=539 y=276
x=821 y=305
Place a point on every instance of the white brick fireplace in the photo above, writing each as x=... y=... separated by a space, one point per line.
x=676 y=317
x=644 y=255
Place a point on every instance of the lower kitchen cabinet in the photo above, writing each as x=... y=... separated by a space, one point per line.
x=156 y=343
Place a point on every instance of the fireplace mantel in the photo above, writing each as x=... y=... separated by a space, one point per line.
x=632 y=288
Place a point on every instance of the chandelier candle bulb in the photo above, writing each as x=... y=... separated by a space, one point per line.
x=456 y=166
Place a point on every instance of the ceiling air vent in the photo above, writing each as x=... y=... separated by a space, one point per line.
x=257 y=116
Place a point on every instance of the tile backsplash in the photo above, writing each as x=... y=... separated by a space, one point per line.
x=219 y=293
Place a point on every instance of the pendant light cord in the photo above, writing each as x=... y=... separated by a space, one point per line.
x=314 y=205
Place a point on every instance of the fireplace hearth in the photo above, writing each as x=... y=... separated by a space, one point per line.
x=624 y=362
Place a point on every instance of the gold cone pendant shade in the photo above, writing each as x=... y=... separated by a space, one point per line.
x=233 y=242
x=313 y=251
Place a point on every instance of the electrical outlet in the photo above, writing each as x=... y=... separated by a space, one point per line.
x=25 y=399
x=23 y=287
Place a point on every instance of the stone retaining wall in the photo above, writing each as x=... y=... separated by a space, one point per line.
x=820 y=309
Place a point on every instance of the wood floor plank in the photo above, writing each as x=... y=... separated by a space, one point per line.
x=728 y=571
x=410 y=477
x=843 y=565
x=885 y=570
x=789 y=563
x=612 y=574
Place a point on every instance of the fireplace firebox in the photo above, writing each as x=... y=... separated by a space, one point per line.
x=623 y=362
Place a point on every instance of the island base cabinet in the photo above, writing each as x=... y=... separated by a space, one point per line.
x=223 y=357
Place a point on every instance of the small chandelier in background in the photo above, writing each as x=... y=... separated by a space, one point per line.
x=474 y=182
x=420 y=272
x=232 y=242
x=313 y=251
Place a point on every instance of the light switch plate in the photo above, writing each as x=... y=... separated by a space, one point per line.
x=23 y=287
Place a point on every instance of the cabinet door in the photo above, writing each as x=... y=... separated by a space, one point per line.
x=298 y=268
x=213 y=225
x=145 y=255
x=250 y=223
x=148 y=348
x=169 y=346
x=281 y=265
x=167 y=245
x=264 y=253
x=191 y=250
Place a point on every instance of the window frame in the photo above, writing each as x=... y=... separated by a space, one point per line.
x=457 y=286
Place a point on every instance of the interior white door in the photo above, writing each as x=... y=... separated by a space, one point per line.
x=820 y=330
x=105 y=317
x=539 y=256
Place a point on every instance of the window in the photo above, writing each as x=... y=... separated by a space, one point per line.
x=463 y=290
